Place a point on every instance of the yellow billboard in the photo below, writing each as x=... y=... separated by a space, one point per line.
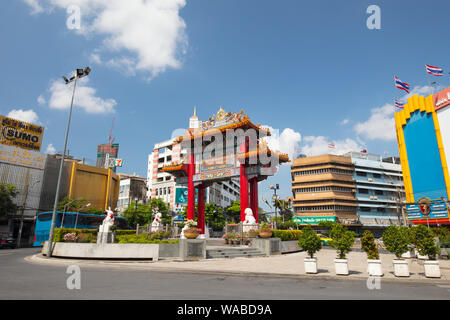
x=20 y=134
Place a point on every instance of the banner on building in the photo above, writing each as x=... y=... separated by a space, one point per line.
x=181 y=195
x=313 y=220
x=22 y=157
x=20 y=134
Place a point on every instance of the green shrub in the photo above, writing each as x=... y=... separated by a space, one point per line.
x=309 y=241
x=423 y=239
x=396 y=239
x=343 y=240
x=287 y=235
x=442 y=233
x=369 y=246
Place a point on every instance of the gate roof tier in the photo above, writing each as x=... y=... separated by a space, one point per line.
x=244 y=123
x=178 y=169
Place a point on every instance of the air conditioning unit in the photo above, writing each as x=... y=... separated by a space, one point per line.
x=370 y=179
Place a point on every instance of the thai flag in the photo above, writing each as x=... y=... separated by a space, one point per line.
x=398 y=104
x=435 y=71
x=331 y=145
x=401 y=85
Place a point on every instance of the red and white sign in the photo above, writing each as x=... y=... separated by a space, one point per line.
x=442 y=99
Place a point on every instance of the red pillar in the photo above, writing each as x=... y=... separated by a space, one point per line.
x=201 y=209
x=191 y=189
x=254 y=197
x=244 y=183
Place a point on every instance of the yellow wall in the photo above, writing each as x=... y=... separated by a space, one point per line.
x=100 y=187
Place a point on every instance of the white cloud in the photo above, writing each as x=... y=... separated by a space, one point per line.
x=50 y=149
x=344 y=122
x=24 y=115
x=35 y=6
x=286 y=142
x=41 y=99
x=381 y=123
x=318 y=145
x=85 y=97
x=148 y=35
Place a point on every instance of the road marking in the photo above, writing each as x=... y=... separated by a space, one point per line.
x=446 y=286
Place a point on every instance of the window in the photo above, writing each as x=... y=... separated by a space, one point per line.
x=377 y=175
x=379 y=192
x=361 y=174
x=365 y=209
x=365 y=191
x=381 y=210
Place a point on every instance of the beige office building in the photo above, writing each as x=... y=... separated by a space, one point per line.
x=323 y=189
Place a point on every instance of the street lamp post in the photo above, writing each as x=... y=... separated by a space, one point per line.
x=76 y=220
x=64 y=211
x=275 y=188
x=79 y=73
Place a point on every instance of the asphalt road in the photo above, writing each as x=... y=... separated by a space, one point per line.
x=20 y=279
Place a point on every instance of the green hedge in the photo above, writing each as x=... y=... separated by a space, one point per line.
x=87 y=235
x=142 y=238
x=287 y=235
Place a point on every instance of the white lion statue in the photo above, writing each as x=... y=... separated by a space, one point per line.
x=250 y=221
x=108 y=221
x=156 y=224
x=249 y=218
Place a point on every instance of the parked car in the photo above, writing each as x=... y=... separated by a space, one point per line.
x=325 y=240
x=7 y=242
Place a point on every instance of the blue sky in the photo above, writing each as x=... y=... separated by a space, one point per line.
x=311 y=66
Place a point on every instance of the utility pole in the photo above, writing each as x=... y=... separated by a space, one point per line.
x=27 y=185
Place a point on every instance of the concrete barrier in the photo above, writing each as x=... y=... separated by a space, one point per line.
x=104 y=251
x=290 y=246
x=268 y=246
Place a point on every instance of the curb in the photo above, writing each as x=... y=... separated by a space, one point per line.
x=137 y=265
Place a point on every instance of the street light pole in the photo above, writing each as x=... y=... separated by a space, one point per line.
x=78 y=74
x=275 y=188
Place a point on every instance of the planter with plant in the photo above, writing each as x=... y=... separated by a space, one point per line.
x=369 y=246
x=423 y=239
x=397 y=239
x=343 y=240
x=310 y=242
x=265 y=231
x=192 y=231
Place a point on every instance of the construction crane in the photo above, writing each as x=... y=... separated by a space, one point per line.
x=110 y=142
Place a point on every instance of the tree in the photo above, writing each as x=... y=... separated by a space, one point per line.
x=7 y=193
x=309 y=241
x=72 y=205
x=396 y=239
x=343 y=240
x=234 y=211
x=285 y=212
x=138 y=214
x=214 y=216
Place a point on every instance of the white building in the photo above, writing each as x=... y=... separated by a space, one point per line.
x=162 y=184
x=132 y=190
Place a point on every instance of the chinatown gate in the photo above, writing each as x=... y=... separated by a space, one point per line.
x=226 y=146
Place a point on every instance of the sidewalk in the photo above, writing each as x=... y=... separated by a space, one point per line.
x=287 y=265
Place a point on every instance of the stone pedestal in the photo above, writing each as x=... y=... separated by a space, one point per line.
x=105 y=237
x=268 y=246
x=192 y=249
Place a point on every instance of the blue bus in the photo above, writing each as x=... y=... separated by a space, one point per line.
x=81 y=220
